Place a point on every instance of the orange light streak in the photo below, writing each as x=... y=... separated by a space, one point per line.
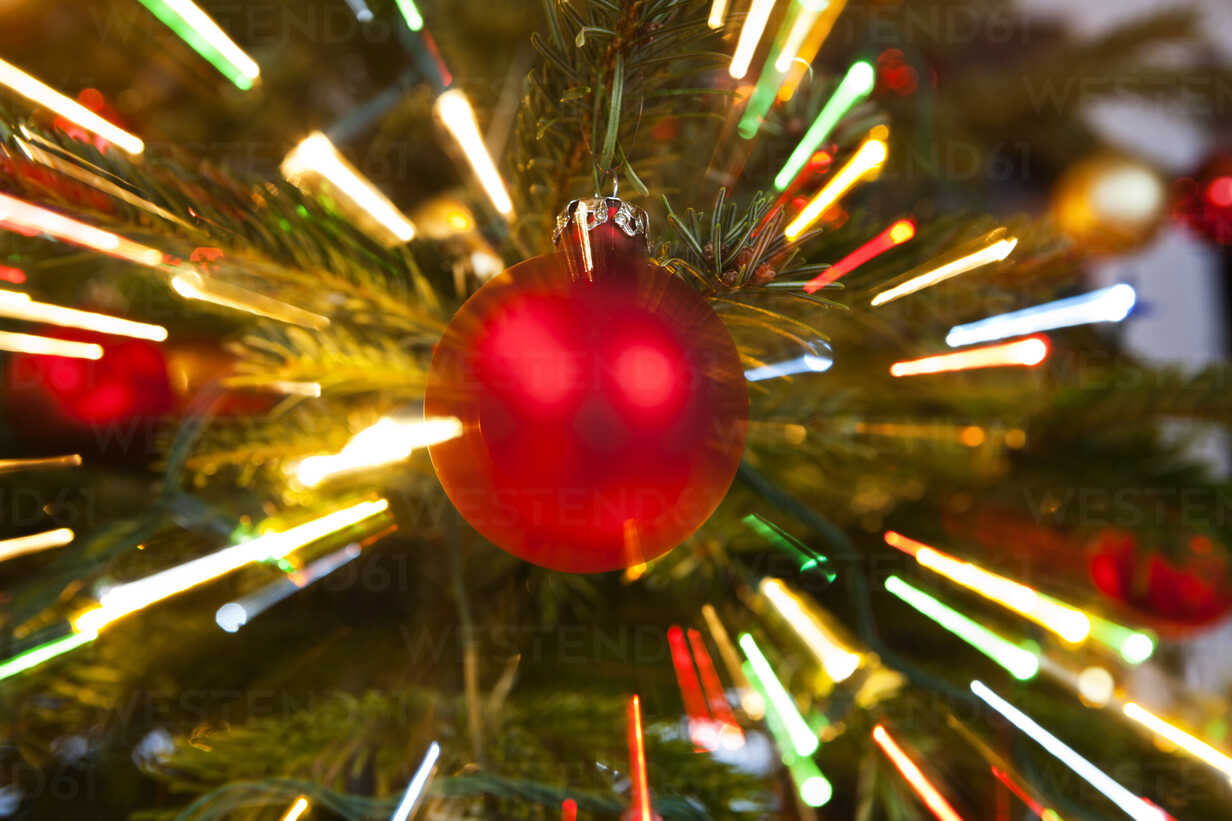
x=639 y=790
x=923 y=788
x=1067 y=622
x=1027 y=352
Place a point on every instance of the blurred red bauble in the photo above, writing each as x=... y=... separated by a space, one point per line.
x=1172 y=599
x=603 y=402
x=1204 y=199
x=129 y=383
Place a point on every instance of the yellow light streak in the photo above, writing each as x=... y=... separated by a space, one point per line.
x=317 y=155
x=125 y=599
x=71 y=110
x=456 y=113
x=46 y=346
x=996 y=252
x=388 y=441
x=1067 y=622
x=870 y=156
x=1194 y=746
x=16 y=305
x=750 y=35
x=838 y=661
x=12 y=548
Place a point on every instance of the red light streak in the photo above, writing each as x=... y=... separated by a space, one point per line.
x=895 y=235
x=568 y=810
x=923 y=788
x=1018 y=792
x=690 y=690
x=13 y=275
x=729 y=731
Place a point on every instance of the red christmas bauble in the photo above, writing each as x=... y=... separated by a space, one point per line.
x=603 y=402
x=1173 y=599
x=129 y=383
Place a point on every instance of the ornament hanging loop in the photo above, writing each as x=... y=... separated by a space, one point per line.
x=601 y=176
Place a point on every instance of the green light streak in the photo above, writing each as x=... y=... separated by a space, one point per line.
x=1135 y=646
x=1021 y=663
x=410 y=13
x=855 y=86
x=805 y=557
x=815 y=790
x=44 y=652
x=186 y=32
x=802 y=739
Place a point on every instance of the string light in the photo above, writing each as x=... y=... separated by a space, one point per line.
x=996 y=252
x=296 y=810
x=11 y=274
x=191 y=285
x=807 y=12
x=1135 y=646
x=808 y=51
x=856 y=84
x=1022 y=664
x=803 y=739
x=202 y=34
x=317 y=155
x=1068 y=623
x=16 y=305
x=410 y=13
x=388 y=441
x=869 y=157
x=1131 y=804
x=751 y=702
x=750 y=35
x=12 y=548
x=718 y=11
x=568 y=810
x=25 y=218
x=456 y=112
x=46 y=346
x=814 y=789
x=892 y=237
x=1095 y=686
x=639 y=790
x=362 y=13
x=838 y=661
x=730 y=734
x=1194 y=746
x=1027 y=353
x=37 y=92
x=809 y=363
x=44 y=652
x=128 y=598
x=235 y=614
x=415 y=789
x=929 y=794
x=700 y=726
x=1110 y=304
x=16 y=465
x=805 y=557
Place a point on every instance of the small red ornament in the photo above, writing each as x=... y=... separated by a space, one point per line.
x=1174 y=600
x=603 y=402
x=57 y=393
x=1204 y=199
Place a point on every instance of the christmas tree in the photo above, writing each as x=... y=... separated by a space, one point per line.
x=656 y=408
